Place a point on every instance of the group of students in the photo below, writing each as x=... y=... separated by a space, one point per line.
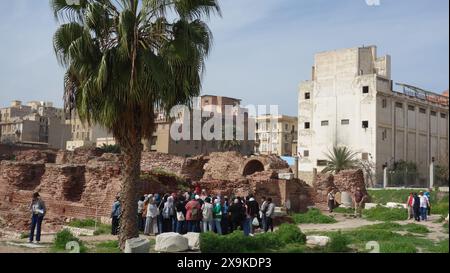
x=419 y=205
x=198 y=212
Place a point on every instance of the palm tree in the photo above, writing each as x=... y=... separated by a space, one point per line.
x=341 y=158
x=125 y=60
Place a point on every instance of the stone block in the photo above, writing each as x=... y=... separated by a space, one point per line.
x=137 y=245
x=317 y=241
x=171 y=242
x=193 y=240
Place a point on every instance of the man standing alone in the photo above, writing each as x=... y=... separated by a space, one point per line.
x=115 y=215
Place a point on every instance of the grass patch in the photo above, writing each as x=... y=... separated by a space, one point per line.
x=445 y=226
x=24 y=235
x=288 y=238
x=344 y=210
x=439 y=201
x=415 y=228
x=339 y=243
x=90 y=224
x=398 y=247
x=441 y=247
x=62 y=238
x=386 y=214
x=108 y=247
x=313 y=216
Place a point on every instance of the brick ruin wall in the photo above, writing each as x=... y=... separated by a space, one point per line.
x=84 y=183
x=344 y=181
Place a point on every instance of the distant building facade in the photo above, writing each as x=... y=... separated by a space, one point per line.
x=36 y=123
x=85 y=135
x=163 y=142
x=276 y=135
x=350 y=101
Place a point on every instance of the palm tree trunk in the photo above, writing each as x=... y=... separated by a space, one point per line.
x=129 y=192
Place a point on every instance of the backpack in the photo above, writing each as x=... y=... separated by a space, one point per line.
x=194 y=213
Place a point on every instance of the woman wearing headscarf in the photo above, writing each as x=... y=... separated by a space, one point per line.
x=151 y=223
x=168 y=214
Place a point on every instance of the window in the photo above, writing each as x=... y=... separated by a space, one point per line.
x=411 y=108
x=422 y=110
x=365 y=124
x=365 y=90
x=307 y=96
x=286 y=137
x=443 y=115
x=257 y=126
x=345 y=122
x=286 y=127
x=384 y=135
x=433 y=113
x=324 y=123
x=307 y=125
x=321 y=163
x=384 y=103
x=306 y=153
x=399 y=105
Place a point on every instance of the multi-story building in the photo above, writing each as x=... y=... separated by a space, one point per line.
x=37 y=123
x=350 y=101
x=85 y=135
x=163 y=142
x=276 y=135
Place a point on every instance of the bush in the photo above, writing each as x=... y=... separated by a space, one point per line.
x=288 y=233
x=313 y=216
x=344 y=210
x=62 y=238
x=260 y=243
x=339 y=242
x=386 y=214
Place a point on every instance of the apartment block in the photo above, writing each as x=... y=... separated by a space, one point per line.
x=36 y=123
x=276 y=135
x=352 y=101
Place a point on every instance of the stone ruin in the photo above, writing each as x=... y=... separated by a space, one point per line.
x=83 y=184
x=344 y=181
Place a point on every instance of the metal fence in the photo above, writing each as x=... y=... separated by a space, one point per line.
x=407 y=179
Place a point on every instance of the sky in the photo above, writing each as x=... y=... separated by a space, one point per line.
x=262 y=49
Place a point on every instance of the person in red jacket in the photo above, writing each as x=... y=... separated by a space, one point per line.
x=409 y=204
x=193 y=214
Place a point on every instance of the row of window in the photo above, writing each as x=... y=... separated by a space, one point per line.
x=365 y=123
x=413 y=108
x=365 y=90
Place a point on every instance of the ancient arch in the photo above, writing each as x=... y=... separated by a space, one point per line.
x=253 y=166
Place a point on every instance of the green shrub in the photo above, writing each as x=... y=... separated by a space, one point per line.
x=313 y=216
x=386 y=214
x=63 y=237
x=260 y=243
x=415 y=228
x=288 y=234
x=446 y=227
x=339 y=242
x=388 y=226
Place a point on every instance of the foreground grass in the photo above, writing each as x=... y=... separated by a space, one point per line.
x=386 y=214
x=389 y=239
x=288 y=238
x=106 y=247
x=64 y=237
x=313 y=216
x=90 y=224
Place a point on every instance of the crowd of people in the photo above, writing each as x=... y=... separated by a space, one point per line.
x=199 y=212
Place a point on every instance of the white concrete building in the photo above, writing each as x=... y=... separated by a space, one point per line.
x=350 y=101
